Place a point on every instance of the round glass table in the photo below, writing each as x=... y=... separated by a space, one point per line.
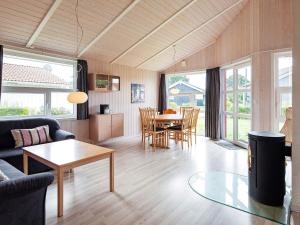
x=232 y=190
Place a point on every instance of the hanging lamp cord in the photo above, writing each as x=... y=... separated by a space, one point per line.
x=174 y=58
x=78 y=25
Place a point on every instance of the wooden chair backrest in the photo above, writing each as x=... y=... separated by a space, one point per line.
x=169 y=111
x=143 y=112
x=150 y=122
x=187 y=117
x=195 y=117
x=182 y=108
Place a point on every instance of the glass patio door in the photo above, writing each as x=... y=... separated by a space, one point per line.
x=237 y=103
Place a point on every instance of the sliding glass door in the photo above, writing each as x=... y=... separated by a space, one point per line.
x=237 y=103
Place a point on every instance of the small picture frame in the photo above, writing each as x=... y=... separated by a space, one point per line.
x=137 y=93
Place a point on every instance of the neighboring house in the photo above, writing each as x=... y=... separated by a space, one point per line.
x=183 y=93
x=19 y=75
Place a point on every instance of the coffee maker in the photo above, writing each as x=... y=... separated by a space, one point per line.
x=104 y=109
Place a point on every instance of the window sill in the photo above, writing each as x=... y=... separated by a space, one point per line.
x=40 y=116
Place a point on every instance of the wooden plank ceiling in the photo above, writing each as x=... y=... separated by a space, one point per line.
x=137 y=33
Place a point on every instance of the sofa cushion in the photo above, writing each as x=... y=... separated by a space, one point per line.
x=3 y=177
x=6 y=138
x=28 y=137
x=10 y=171
x=11 y=152
x=14 y=156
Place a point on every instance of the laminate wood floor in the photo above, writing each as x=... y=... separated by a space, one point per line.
x=151 y=188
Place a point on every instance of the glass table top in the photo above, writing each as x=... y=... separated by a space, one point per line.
x=232 y=190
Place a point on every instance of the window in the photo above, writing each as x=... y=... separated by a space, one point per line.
x=237 y=102
x=188 y=90
x=283 y=86
x=35 y=85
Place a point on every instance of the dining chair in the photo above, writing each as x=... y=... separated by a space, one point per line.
x=194 y=124
x=182 y=108
x=145 y=134
x=169 y=111
x=183 y=131
x=157 y=133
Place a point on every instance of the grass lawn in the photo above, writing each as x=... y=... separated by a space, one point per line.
x=244 y=126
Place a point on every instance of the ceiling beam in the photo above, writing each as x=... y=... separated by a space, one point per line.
x=109 y=26
x=190 y=33
x=154 y=30
x=43 y=23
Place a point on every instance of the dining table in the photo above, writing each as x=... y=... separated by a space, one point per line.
x=163 y=118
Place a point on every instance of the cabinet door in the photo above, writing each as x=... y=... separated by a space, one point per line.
x=117 y=125
x=104 y=127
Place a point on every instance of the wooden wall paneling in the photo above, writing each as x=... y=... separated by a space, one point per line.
x=19 y=19
x=252 y=31
x=180 y=26
x=276 y=31
x=296 y=108
x=207 y=34
x=262 y=27
x=120 y=102
x=80 y=128
x=262 y=94
x=59 y=35
x=207 y=31
x=135 y=24
x=61 y=28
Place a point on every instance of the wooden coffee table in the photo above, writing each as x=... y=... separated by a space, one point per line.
x=66 y=155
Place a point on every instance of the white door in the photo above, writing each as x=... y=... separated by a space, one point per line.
x=237 y=103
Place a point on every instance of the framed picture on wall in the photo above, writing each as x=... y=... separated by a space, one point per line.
x=137 y=93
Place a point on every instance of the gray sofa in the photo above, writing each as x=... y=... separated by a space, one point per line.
x=14 y=156
x=22 y=197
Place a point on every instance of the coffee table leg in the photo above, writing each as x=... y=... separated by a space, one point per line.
x=60 y=192
x=25 y=163
x=111 y=173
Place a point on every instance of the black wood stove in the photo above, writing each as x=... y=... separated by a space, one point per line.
x=266 y=163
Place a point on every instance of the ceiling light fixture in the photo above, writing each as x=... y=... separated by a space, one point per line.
x=77 y=97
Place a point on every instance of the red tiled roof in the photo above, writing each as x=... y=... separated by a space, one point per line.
x=20 y=73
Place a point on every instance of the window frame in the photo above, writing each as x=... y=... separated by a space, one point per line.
x=178 y=74
x=279 y=90
x=235 y=92
x=45 y=91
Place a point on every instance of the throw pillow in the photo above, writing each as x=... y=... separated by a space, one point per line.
x=28 y=137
